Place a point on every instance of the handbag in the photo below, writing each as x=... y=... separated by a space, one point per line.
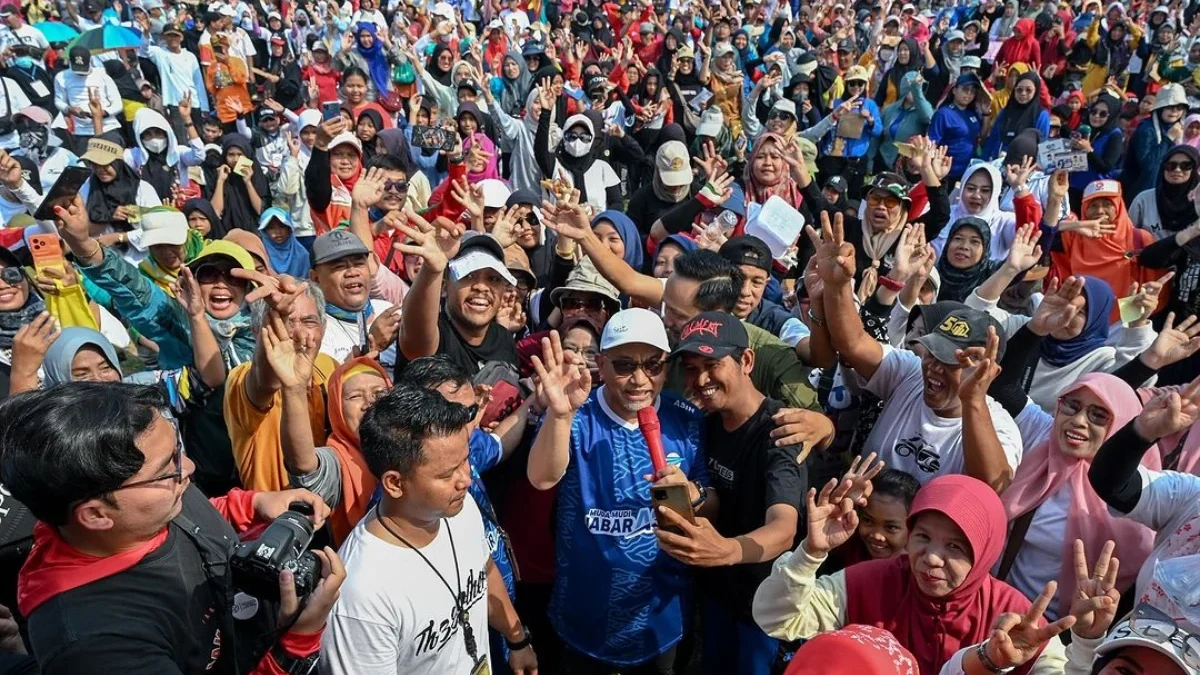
x=390 y=100
x=403 y=73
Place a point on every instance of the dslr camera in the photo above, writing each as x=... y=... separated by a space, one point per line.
x=283 y=546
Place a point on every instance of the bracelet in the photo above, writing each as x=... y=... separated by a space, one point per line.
x=891 y=284
x=702 y=498
x=981 y=652
x=522 y=643
x=815 y=319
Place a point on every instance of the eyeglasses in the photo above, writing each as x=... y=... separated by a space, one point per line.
x=1095 y=414
x=1055 y=126
x=889 y=200
x=575 y=304
x=780 y=115
x=1179 y=166
x=12 y=275
x=578 y=136
x=1099 y=112
x=175 y=474
x=1152 y=623
x=626 y=367
x=397 y=186
x=212 y=273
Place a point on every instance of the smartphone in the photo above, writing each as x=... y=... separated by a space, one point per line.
x=674 y=497
x=427 y=138
x=449 y=140
x=65 y=187
x=331 y=110
x=47 y=253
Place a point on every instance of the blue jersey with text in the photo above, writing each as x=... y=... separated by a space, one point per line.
x=617 y=596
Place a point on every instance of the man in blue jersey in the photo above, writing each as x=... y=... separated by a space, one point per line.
x=618 y=599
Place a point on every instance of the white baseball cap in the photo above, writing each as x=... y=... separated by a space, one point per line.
x=495 y=193
x=479 y=252
x=634 y=326
x=163 y=225
x=1124 y=636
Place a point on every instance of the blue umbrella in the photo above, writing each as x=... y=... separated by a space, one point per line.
x=109 y=37
x=55 y=31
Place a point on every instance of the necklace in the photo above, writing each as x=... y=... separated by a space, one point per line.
x=460 y=598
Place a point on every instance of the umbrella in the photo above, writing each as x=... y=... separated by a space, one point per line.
x=109 y=37
x=55 y=31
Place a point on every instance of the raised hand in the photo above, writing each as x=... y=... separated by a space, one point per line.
x=1025 y=252
x=95 y=103
x=1146 y=297
x=1060 y=184
x=33 y=340
x=187 y=292
x=567 y=217
x=834 y=255
x=859 y=474
x=985 y=365
x=832 y=519
x=434 y=244
x=1017 y=175
x=11 y=173
x=709 y=161
x=471 y=198
x=1174 y=343
x=564 y=382
x=1059 y=307
x=185 y=106
x=1096 y=596
x=291 y=358
x=1092 y=229
x=511 y=314
x=279 y=292
x=369 y=188
x=1016 y=638
x=910 y=253
x=813 y=283
x=327 y=130
x=384 y=329
x=504 y=230
x=1169 y=412
x=72 y=221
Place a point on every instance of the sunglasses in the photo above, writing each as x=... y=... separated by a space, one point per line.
x=1095 y=414
x=574 y=304
x=1099 y=112
x=397 y=186
x=12 y=275
x=578 y=136
x=1179 y=166
x=780 y=115
x=626 y=367
x=889 y=200
x=1056 y=126
x=1153 y=624
x=211 y=274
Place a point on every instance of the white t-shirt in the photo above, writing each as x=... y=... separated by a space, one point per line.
x=341 y=337
x=598 y=178
x=395 y=615
x=911 y=437
x=1169 y=505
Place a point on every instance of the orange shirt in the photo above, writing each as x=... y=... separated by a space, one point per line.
x=227 y=82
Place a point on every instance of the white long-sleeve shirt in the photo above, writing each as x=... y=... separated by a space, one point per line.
x=71 y=90
x=179 y=74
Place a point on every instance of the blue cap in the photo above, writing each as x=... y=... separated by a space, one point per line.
x=736 y=201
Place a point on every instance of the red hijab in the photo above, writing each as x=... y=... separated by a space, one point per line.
x=1022 y=49
x=884 y=594
x=759 y=193
x=853 y=650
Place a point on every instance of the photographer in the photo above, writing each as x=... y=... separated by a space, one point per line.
x=130 y=570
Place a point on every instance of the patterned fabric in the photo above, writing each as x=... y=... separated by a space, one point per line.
x=853 y=650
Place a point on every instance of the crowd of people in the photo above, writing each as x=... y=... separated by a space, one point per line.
x=651 y=338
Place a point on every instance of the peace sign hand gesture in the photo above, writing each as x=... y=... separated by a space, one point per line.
x=832 y=519
x=834 y=255
x=1017 y=638
x=1096 y=596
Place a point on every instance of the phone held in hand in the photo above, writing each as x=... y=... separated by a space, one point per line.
x=331 y=110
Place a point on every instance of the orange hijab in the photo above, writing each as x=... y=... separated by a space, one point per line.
x=1112 y=259
x=358 y=484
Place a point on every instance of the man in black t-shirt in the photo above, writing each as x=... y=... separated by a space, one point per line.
x=465 y=328
x=760 y=488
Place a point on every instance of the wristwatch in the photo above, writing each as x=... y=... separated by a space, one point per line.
x=522 y=643
x=292 y=665
x=702 y=498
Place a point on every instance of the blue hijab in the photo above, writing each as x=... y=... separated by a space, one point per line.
x=687 y=244
x=56 y=367
x=290 y=257
x=376 y=60
x=1094 y=335
x=628 y=233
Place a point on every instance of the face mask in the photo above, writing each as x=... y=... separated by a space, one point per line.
x=343 y=25
x=24 y=62
x=302 y=23
x=578 y=148
x=886 y=55
x=155 y=145
x=32 y=139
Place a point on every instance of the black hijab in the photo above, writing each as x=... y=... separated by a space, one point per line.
x=104 y=198
x=1114 y=114
x=898 y=70
x=1175 y=210
x=216 y=229
x=239 y=213
x=1021 y=116
x=442 y=76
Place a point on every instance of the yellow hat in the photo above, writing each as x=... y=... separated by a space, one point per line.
x=224 y=248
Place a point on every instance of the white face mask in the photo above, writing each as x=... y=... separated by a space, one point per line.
x=577 y=148
x=155 y=145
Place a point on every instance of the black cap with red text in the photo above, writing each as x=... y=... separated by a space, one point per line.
x=713 y=335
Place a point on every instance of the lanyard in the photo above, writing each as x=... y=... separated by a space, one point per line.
x=460 y=598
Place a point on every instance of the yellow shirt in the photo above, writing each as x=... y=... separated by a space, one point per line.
x=257 y=434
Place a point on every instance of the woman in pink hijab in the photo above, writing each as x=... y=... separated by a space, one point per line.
x=1051 y=502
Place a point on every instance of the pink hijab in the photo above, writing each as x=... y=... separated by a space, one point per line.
x=492 y=170
x=1045 y=469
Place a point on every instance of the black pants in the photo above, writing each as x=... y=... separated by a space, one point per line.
x=578 y=663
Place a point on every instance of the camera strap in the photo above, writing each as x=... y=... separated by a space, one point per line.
x=460 y=598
